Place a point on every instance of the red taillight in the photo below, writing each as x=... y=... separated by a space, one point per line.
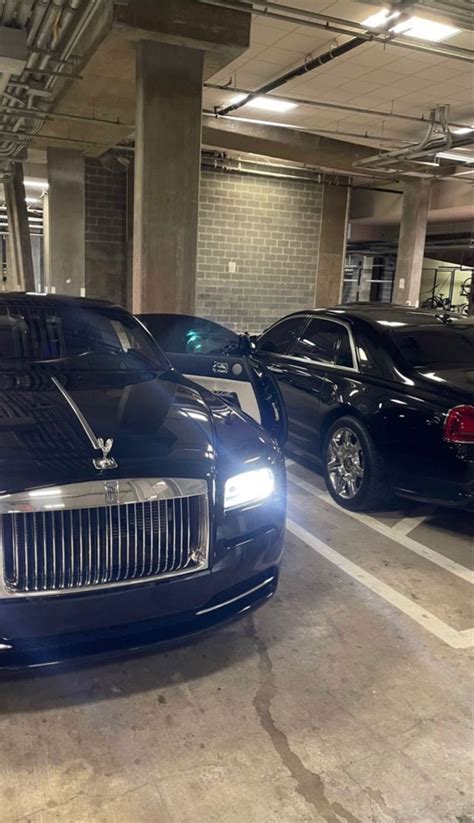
x=459 y=425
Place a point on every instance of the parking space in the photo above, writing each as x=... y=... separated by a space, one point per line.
x=347 y=699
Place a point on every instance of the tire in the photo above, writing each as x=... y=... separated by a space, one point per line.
x=354 y=470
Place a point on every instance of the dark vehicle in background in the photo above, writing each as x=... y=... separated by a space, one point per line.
x=135 y=506
x=383 y=396
x=223 y=362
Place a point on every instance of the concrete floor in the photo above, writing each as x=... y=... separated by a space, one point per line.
x=345 y=700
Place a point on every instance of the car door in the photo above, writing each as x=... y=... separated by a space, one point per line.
x=309 y=357
x=221 y=361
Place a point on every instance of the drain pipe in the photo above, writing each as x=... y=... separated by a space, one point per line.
x=309 y=65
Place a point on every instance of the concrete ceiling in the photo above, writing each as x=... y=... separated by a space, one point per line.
x=375 y=76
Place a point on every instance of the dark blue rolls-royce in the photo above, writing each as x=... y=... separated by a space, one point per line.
x=136 y=507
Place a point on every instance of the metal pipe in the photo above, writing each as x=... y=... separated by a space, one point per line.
x=305 y=68
x=336 y=106
x=79 y=118
x=47 y=16
x=354 y=29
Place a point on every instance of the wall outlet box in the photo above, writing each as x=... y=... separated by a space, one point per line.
x=232 y=266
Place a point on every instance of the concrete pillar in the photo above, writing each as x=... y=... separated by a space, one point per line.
x=66 y=222
x=411 y=243
x=20 y=259
x=167 y=168
x=332 y=245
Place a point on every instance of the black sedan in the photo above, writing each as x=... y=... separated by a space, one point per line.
x=223 y=362
x=135 y=506
x=383 y=396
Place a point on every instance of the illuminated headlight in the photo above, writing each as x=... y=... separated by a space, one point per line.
x=248 y=488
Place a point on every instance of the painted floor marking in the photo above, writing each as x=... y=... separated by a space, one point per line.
x=455 y=639
x=407 y=524
x=388 y=531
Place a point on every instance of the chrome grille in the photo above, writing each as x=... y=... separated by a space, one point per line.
x=72 y=548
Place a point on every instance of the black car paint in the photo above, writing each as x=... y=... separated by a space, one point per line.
x=403 y=411
x=163 y=425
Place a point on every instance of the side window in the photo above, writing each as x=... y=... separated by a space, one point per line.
x=279 y=338
x=318 y=341
x=343 y=350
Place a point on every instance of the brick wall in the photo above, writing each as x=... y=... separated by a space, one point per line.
x=270 y=229
x=106 y=232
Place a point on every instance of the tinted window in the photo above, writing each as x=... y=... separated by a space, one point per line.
x=181 y=334
x=442 y=347
x=343 y=349
x=76 y=336
x=318 y=341
x=280 y=337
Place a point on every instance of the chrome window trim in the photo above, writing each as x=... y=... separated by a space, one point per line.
x=316 y=316
x=93 y=495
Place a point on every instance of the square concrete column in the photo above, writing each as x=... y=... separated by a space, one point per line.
x=65 y=223
x=411 y=243
x=332 y=246
x=167 y=171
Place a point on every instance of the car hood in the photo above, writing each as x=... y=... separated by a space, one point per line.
x=456 y=384
x=161 y=426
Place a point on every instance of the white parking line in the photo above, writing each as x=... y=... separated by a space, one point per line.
x=408 y=524
x=455 y=639
x=388 y=531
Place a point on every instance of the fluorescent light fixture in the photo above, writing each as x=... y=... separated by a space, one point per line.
x=380 y=18
x=426 y=29
x=418 y=27
x=265 y=103
x=459 y=158
x=464 y=130
x=237 y=99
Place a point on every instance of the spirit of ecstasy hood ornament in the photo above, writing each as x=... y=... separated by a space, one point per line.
x=104 y=462
x=98 y=443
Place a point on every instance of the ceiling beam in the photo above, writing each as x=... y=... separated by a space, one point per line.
x=323 y=153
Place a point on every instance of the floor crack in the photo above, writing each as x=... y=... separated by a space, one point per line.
x=309 y=784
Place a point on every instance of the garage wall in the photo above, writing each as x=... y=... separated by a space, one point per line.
x=269 y=229
x=106 y=232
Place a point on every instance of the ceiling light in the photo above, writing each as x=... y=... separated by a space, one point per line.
x=380 y=18
x=464 y=130
x=418 y=27
x=265 y=103
x=237 y=99
x=459 y=158
x=426 y=29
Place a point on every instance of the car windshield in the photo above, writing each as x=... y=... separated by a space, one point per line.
x=443 y=347
x=183 y=334
x=76 y=337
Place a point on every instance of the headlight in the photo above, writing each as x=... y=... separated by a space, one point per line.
x=247 y=488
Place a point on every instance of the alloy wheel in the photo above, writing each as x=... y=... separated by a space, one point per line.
x=345 y=463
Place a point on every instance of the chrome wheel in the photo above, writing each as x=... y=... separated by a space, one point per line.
x=345 y=463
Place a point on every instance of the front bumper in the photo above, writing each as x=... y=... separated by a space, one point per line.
x=43 y=631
